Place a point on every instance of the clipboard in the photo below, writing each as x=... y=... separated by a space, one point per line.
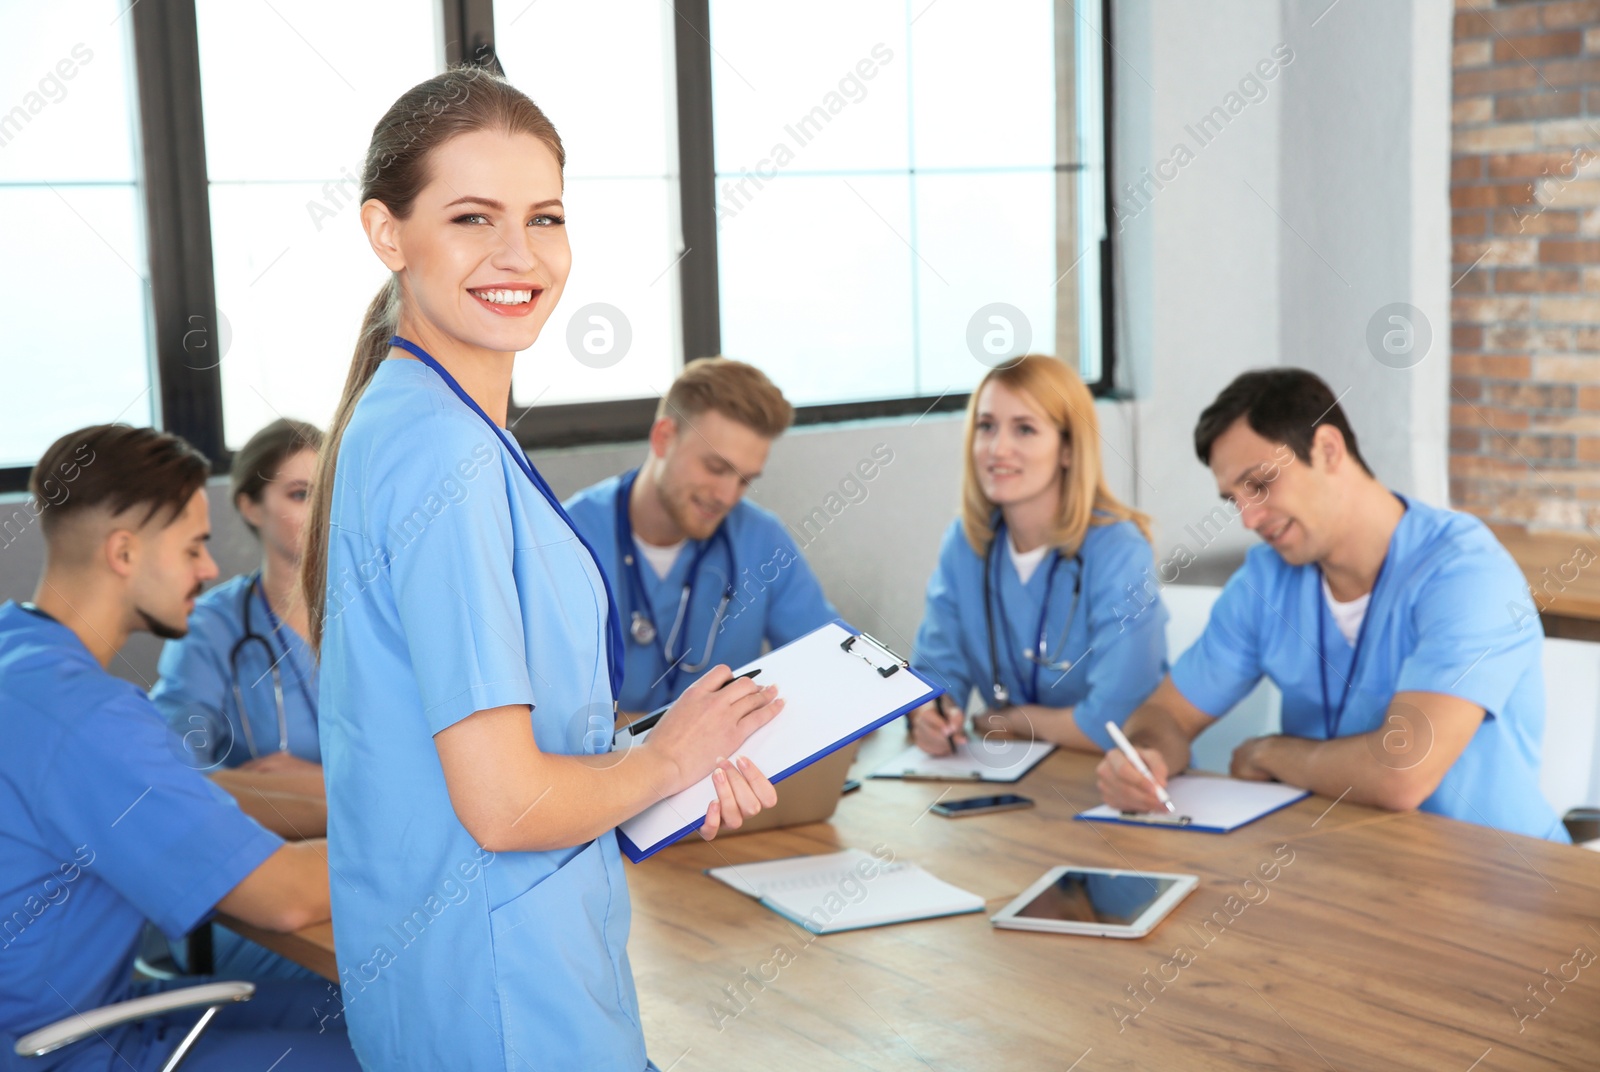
x=1209 y=805
x=998 y=759
x=838 y=685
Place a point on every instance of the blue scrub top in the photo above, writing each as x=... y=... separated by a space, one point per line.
x=455 y=587
x=1440 y=620
x=102 y=827
x=195 y=692
x=1117 y=639
x=776 y=598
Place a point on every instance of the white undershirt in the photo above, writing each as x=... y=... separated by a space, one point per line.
x=660 y=558
x=1026 y=562
x=1347 y=616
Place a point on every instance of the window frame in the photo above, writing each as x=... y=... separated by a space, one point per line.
x=182 y=294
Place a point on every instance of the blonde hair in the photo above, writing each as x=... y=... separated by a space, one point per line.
x=732 y=388
x=462 y=100
x=1061 y=396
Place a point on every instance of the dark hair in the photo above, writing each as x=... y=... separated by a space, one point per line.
x=116 y=467
x=462 y=100
x=1285 y=405
x=256 y=464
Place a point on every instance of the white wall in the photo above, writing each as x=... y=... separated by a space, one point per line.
x=1341 y=170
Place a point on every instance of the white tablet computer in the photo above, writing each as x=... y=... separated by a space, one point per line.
x=1095 y=900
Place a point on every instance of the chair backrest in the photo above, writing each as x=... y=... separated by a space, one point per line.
x=1189 y=607
x=1570 y=771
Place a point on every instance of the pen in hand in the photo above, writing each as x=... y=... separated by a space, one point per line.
x=648 y=722
x=952 y=721
x=1127 y=749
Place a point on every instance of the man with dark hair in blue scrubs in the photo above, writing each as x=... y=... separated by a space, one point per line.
x=1407 y=680
x=104 y=826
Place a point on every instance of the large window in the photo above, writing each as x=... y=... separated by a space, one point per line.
x=289 y=109
x=896 y=199
x=73 y=269
x=872 y=200
x=615 y=333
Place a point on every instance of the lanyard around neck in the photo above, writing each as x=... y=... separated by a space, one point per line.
x=1333 y=716
x=613 y=625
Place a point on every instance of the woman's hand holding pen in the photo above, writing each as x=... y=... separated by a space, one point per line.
x=937 y=727
x=704 y=727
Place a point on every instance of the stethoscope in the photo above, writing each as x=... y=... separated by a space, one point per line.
x=273 y=659
x=641 y=622
x=613 y=626
x=1039 y=655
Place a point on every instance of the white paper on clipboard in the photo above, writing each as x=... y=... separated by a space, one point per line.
x=831 y=695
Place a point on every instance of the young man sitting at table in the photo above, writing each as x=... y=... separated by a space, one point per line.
x=701 y=575
x=1407 y=681
x=105 y=826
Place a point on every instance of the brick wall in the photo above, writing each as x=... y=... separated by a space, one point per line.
x=1525 y=195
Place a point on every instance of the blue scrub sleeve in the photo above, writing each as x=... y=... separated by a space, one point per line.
x=1127 y=633
x=936 y=653
x=1221 y=668
x=193 y=689
x=1469 y=643
x=160 y=834
x=451 y=553
x=798 y=604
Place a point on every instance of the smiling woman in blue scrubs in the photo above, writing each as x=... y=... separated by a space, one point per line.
x=1043 y=599
x=470 y=647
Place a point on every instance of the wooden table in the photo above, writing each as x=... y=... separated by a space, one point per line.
x=1563 y=573
x=1382 y=941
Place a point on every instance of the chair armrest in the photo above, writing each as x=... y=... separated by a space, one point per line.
x=80 y=1025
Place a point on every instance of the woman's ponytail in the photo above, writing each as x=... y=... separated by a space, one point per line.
x=372 y=346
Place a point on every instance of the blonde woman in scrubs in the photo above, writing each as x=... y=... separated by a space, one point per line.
x=470 y=645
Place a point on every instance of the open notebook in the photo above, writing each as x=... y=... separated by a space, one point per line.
x=1214 y=805
x=990 y=759
x=844 y=891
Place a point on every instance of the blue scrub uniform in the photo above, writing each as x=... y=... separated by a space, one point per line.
x=1116 y=641
x=195 y=696
x=776 y=597
x=1443 y=618
x=454 y=587
x=195 y=693
x=102 y=827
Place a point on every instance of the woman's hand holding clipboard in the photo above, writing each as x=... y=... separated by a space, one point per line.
x=705 y=726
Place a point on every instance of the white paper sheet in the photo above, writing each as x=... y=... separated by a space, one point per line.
x=1212 y=804
x=830 y=696
x=992 y=759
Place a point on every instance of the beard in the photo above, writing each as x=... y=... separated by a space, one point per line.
x=160 y=628
x=680 y=507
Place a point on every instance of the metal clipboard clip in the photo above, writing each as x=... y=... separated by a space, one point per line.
x=884 y=661
x=1158 y=818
